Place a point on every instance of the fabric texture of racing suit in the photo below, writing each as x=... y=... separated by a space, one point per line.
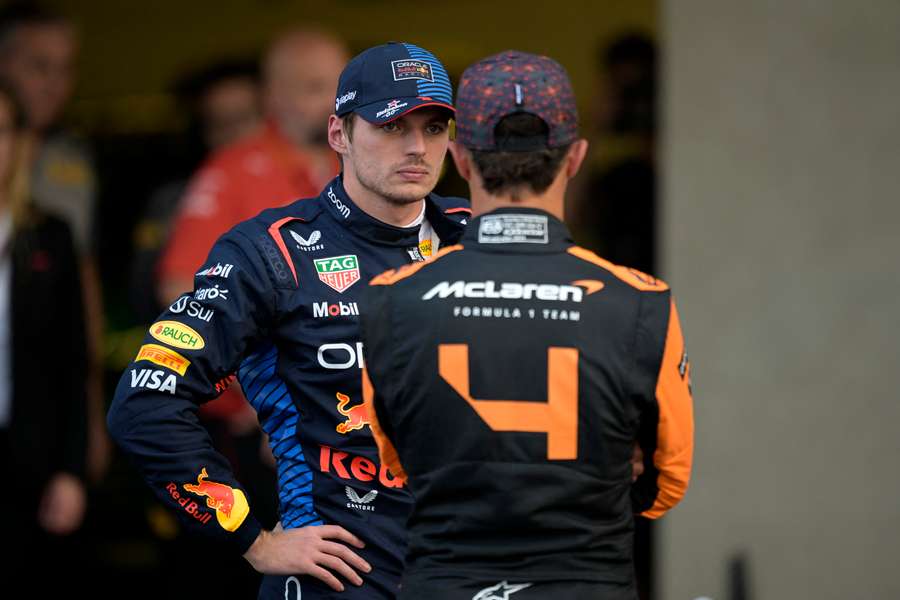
x=511 y=376
x=278 y=303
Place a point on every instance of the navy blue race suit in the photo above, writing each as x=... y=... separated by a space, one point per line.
x=277 y=304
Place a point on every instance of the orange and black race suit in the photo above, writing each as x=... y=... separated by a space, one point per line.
x=512 y=376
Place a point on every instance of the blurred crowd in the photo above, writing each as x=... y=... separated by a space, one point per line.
x=98 y=235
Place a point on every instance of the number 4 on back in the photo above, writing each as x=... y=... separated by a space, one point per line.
x=558 y=417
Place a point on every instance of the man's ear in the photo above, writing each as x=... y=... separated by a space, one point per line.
x=575 y=156
x=337 y=138
x=462 y=159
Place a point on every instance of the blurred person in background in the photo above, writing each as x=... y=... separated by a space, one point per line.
x=38 y=52
x=42 y=415
x=288 y=159
x=224 y=104
x=616 y=200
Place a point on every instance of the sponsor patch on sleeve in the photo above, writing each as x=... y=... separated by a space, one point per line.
x=177 y=334
x=229 y=503
x=163 y=357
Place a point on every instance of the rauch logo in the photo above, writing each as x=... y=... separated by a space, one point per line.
x=178 y=335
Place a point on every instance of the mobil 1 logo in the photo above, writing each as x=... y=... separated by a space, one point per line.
x=323 y=310
x=219 y=270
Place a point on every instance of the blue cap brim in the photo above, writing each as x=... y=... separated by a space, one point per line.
x=379 y=113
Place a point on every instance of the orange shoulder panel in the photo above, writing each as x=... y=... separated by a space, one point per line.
x=392 y=276
x=633 y=277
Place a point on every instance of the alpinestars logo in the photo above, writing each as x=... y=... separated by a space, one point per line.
x=501 y=591
x=357 y=502
x=308 y=245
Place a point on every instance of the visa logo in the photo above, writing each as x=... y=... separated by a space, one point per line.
x=153 y=379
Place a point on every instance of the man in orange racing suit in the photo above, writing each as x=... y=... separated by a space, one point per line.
x=513 y=373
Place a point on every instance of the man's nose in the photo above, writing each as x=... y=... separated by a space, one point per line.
x=415 y=142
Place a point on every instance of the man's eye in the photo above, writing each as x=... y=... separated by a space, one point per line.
x=436 y=128
x=390 y=127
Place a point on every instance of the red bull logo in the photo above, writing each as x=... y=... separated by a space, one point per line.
x=229 y=503
x=357 y=416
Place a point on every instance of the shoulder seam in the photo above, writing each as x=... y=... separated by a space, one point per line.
x=392 y=276
x=633 y=277
x=272 y=284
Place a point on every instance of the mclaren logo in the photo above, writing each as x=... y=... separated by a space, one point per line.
x=501 y=591
x=549 y=292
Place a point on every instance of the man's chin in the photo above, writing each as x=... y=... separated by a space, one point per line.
x=409 y=192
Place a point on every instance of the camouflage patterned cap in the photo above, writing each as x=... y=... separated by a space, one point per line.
x=515 y=82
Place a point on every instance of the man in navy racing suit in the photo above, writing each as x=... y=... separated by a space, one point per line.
x=277 y=304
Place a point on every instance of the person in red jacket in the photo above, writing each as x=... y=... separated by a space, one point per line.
x=289 y=158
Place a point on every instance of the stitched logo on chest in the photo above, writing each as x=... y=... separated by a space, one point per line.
x=338 y=272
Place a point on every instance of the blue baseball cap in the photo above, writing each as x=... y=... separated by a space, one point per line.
x=386 y=82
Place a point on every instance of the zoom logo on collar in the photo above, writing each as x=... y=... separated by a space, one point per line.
x=340 y=206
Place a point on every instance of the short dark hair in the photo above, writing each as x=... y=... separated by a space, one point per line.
x=347 y=124
x=191 y=86
x=27 y=14
x=508 y=171
x=630 y=48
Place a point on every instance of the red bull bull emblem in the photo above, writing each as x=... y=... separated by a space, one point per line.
x=229 y=503
x=357 y=416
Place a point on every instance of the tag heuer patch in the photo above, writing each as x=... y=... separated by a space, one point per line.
x=513 y=229
x=411 y=69
x=338 y=272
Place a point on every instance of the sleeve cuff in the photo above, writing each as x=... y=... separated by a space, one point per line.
x=245 y=535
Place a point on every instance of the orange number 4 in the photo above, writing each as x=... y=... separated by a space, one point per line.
x=558 y=417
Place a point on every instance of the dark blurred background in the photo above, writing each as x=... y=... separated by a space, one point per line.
x=139 y=96
x=749 y=153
